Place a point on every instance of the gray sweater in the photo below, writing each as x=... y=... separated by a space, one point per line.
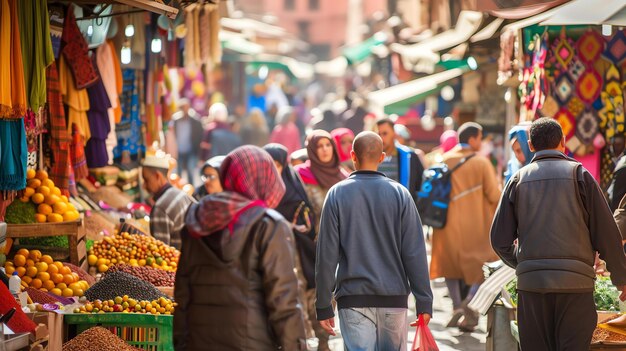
x=370 y=228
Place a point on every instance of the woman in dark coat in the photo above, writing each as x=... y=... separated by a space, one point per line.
x=236 y=287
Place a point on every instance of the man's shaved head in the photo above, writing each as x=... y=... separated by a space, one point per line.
x=368 y=147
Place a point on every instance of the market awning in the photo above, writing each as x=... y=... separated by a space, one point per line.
x=529 y=21
x=399 y=98
x=357 y=53
x=239 y=44
x=589 y=12
x=422 y=57
x=525 y=11
x=152 y=6
x=297 y=69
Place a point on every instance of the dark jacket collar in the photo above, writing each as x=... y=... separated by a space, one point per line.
x=552 y=154
x=356 y=173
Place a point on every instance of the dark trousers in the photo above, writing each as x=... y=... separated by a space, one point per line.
x=556 y=322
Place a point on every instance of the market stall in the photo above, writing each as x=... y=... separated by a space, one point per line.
x=78 y=109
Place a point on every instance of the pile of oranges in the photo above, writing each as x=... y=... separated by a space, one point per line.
x=52 y=206
x=42 y=272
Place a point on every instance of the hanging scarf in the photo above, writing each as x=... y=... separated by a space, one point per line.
x=77 y=154
x=337 y=134
x=76 y=52
x=37 y=52
x=250 y=180
x=12 y=90
x=314 y=171
x=13 y=154
x=60 y=138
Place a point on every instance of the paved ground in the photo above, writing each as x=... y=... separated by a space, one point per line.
x=447 y=339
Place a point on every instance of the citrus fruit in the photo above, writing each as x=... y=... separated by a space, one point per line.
x=44 y=209
x=56 y=291
x=41 y=175
x=21 y=271
x=56 y=263
x=26 y=279
x=40 y=218
x=9 y=270
x=36 y=283
x=55 y=218
x=65 y=270
x=52 y=269
x=25 y=199
x=34 y=183
x=48 y=285
x=68 y=279
x=30 y=173
x=37 y=198
x=56 y=278
x=43 y=190
x=23 y=252
x=28 y=191
x=34 y=255
x=61 y=286
x=19 y=260
x=46 y=258
x=52 y=199
x=92 y=259
x=103 y=268
x=42 y=266
x=67 y=292
x=30 y=263
x=56 y=191
x=59 y=207
x=44 y=276
x=49 y=183
x=31 y=272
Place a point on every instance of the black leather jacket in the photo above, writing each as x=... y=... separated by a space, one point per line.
x=239 y=291
x=558 y=213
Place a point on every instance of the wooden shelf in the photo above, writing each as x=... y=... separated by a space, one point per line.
x=73 y=230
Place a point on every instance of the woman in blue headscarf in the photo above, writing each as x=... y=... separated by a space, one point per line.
x=518 y=139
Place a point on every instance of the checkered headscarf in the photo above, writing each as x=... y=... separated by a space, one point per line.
x=250 y=179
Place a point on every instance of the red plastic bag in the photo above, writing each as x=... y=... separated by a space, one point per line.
x=424 y=340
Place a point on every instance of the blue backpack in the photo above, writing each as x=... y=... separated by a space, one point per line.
x=434 y=196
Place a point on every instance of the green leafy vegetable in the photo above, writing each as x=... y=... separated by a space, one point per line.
x=19 y=212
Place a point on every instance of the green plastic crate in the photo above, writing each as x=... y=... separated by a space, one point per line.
x=144 y=331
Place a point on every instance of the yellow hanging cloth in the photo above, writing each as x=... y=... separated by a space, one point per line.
x=76 y=99
x=18 y=89
x=6 y=106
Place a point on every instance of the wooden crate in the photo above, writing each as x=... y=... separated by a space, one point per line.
x=73 y=230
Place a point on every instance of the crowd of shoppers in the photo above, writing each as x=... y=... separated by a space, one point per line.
x=310 y=219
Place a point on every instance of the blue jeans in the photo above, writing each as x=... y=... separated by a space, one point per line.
x=374 y=329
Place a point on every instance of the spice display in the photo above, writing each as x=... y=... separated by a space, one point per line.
x=156 y=277
x=42 y=272
x=127 y=304
x=119 y=284
x=97 y=339
x=134 y=249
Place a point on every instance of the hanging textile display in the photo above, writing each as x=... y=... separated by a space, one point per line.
x=590 y=46
x=587 y=127
x=589 y=86
x=96 y=150
x=77 y=155
x=12 y=90
x=563 y=50
x=616 y=48
x=76 y=53
x=59 y=136
x=533 y=86
x=111 y=75
x=37 y=53
x=202 y=43
x=612 y=113
x=216 y=45
x=13 y=155
x=129 y=134
x=77 y=101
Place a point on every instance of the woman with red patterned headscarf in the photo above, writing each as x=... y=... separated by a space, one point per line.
x=343 y=138
x=235 y=285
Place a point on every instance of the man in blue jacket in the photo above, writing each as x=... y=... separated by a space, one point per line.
x=371 y=236
x=401 y=163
